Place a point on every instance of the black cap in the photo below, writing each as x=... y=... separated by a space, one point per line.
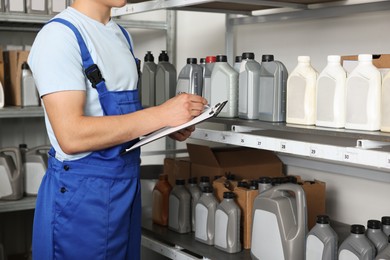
x=322 y=219
x=193 y=180
x=149 y=57
x=248 y=55
x=202 y=60
x=267 y=58
x=23 y=146
x=192 y=61
x=217 y=177
x=231 y=177
x=204 y=179
x=207 y=189
x=221 y=58
x=386 y=220
x=291 y=179
x=277 y=181
x=228 y=195
x=163 y=56
x=238 y=58
x=374 y=224
x=180 y=182
x=25 y=66
x=358 y=229
x=243 y=184
x=265 y=179
x=254 y=184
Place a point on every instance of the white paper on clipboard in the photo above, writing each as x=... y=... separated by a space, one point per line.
x=206 y=114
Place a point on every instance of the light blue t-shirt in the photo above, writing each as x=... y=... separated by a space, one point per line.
x=55 y=61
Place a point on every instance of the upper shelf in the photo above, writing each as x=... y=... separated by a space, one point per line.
x=19 y=112
x=246 y=7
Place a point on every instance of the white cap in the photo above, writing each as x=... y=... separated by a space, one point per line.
x=303 y=58
x=365 y=57
x=334 y=58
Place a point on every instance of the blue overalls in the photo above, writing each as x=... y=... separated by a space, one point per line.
x=90 y=208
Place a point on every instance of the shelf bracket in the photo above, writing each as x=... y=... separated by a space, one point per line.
x=243 y=129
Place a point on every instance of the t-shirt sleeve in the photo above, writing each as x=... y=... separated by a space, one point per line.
x=55 y=60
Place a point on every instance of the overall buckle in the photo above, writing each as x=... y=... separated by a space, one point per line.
x=94 y=75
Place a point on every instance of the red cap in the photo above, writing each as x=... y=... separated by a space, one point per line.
x=211 y=59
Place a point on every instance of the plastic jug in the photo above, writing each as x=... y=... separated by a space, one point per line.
x=11 y=175
x=224 y=82
x=227 y=225
x=386 y=225
x=237 y=63
x=179 y=218
x=35 y=165
x=208 y=69
x=322 y=241
x=1 y=96
x=301 y=93
x=30 y=96
x=264 y=183
x=363 y=96
x=385 y=102
x=205 y=217
x=165 y=79
x=385 y=253
x=195 y=192
x=248 y=89
x=272 y=92
x=148 y=79
x=357 y=246
x=330 y=97
x=203 y=182
x=376 y=236
x=160 y=200
x=190 y=78
x=279 y=224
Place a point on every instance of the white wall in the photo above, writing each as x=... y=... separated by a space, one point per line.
x=350 y=200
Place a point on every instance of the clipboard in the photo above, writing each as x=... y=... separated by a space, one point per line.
x=206 y=114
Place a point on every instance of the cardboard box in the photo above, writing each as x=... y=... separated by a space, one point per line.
x=177 y=168
x=315 y=200
x=244 y=163
x=381 y=61
x=13 y=61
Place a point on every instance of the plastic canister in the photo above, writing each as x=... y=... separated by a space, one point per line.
x=36 y=6
x=30 y=96
x=385 y=253
x=248 y=90
x=386 y=225
x=224 y=82
x=272 y=92
x=190 y=78
x=205 y=217
x=35 y=165
x=363 y=96
x=264 y=183
x=203 y=182
x=330 y=97
x=56 y=6
x=148 y=85
x=11 y=174
x=385 y=110
x=1 y=96
x=179 y=218
x=356 y=246
x=279 y=223
x=160 y=200
x=208 y=69
x=195 y=192
x=227 y=225
x=165 y=79
x=301 y=93
x=322 y=241
x=376 y=235
x=237 y=63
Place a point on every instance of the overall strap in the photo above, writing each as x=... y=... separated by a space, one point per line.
x=90 y=68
